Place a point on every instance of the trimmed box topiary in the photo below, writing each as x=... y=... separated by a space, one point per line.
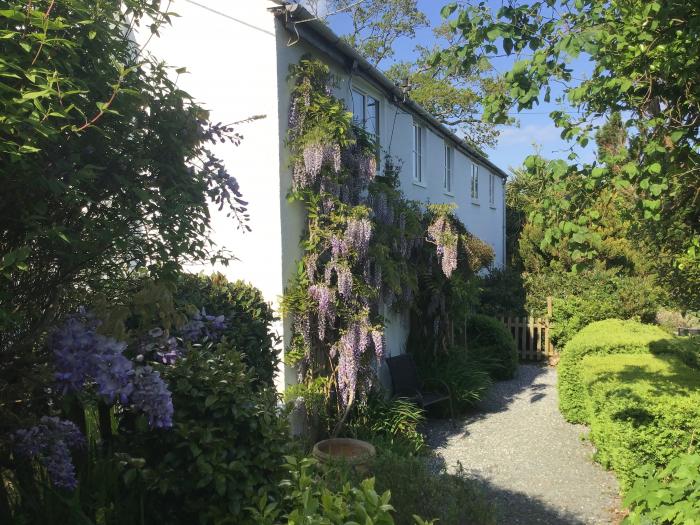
x=611 y=336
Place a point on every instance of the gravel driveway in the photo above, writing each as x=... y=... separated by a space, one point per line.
x=533 y=463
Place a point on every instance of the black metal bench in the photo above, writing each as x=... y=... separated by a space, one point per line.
x=406 y=384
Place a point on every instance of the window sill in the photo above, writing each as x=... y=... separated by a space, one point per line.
x=492 y=206
x=419 y=184
x=448 y=193
x=475 y=203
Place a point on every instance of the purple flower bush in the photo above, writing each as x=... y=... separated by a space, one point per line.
x=50 y=442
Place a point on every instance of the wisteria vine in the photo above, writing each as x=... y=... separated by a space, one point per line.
x=364 y=243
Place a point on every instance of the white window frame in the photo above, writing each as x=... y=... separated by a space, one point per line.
x=418 y=153
x=449 y=169
x=362 y=114
x=492 y=190
x=474 y=185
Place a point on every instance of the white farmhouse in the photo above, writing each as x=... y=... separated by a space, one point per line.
x=237 y=54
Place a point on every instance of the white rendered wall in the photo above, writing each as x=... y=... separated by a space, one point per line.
x=229 y=51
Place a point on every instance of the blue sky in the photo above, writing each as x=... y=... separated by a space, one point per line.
x=535 y=126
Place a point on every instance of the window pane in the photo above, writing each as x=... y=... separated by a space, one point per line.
x=358 y=108
x=372 y=116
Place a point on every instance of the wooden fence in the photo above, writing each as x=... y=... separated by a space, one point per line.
x=532 y=335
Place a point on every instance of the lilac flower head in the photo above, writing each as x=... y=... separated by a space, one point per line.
x=203 y=326
x=49 y=442
x=339 y=248
x=378 y=342
x=358 y=235
x=345 y=280
x=313 y=155
x=152 y=397
x=112 y=371
x=324 y=298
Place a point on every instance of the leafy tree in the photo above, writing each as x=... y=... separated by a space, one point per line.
x=645 y=66
x=378 y=24
x=105 y=169
x=450 y=95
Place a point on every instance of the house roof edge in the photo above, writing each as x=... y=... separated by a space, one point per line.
x=298 y=21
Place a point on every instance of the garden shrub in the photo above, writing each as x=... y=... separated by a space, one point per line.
x=670 y=495
x=249 y=317
x=641 y=409
x=226 y=445
x=307 y=498
x=416 y=489
x=466 y=377
x=491 y=344
x=611 y=336
x=394 y=422
x=589 y=296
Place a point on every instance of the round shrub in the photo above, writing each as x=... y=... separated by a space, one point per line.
x=611 y=336
x=490 y=343
x=249 y=318
x=226 y=445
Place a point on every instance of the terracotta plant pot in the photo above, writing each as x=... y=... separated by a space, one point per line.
x=353 y=452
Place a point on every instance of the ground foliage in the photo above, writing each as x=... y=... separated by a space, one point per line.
x=645 y=66
x=365 y=246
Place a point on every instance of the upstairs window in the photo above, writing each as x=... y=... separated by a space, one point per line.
x=418 y=145
x=492 y=189
x=475 y=183
x=365 y=115
x=449 y=161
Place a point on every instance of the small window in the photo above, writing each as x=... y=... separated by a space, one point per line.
x=492 y=189
x=365 y=114
x=449 y=161
x=475 y=182
x=417 y=153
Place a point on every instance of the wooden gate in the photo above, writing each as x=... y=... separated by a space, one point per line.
x=532 y=335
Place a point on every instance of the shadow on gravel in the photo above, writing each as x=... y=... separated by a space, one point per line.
x=498 y=399
x=516 y=508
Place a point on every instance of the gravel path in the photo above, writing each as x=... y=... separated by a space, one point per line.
x=533 y=463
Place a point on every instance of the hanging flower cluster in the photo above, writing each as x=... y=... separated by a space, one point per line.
x=442 y=234
x=50 y=442
x=363 y=244
x=83 y=357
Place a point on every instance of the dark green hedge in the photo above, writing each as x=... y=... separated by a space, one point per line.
x=248 y=316
x=491 y=344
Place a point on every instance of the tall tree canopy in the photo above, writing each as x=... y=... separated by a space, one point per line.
x=451 y=95
x=104 y=163
x=645 y=58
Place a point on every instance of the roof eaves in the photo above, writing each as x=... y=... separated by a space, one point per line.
x=298 y=21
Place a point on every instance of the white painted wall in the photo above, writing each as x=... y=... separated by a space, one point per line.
x=238 y=59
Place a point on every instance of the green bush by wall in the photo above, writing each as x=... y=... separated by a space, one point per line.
x=226 y=444
x=491 y=344
x=641 y=409
x=249 y=318
x=611 y=336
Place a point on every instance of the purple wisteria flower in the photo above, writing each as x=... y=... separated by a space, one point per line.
x=440 y=232
x=203 y=326
x=339 y=248
x=379 y=343
x=358 y=234
x=152 y=397
x=313 y=155
x=50 y=442
x=81 y=354
x=353 y=344
x=311 y=266
x=345 y=280
x=324 y=298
